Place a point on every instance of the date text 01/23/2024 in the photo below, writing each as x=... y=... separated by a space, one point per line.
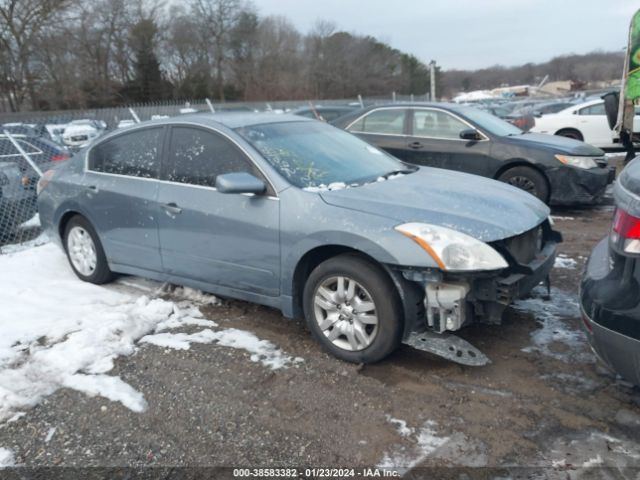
x=314 y=473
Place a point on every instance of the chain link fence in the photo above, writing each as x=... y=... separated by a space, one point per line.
x=22 y=161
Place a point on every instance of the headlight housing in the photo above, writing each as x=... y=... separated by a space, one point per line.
x=579 y=162
x=452 y=250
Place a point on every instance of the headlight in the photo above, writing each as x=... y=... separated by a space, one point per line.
x=453 y=250
x=580 y=162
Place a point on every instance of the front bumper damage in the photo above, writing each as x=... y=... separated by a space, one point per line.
x=451 y=301
x=575 y=186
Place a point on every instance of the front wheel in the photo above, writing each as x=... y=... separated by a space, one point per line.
x=527 y=179
x=85 y=252
x=352 y=309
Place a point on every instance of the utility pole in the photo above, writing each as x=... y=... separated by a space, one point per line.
x=432 y=80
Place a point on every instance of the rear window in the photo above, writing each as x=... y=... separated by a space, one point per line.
x=134 y=154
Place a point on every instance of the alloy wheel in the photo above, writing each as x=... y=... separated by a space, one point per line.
x=346 y=313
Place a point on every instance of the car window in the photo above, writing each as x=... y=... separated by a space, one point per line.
x=197 y=156
x=597 y=109
x=437 y=124
x=134 y=154
x=386 y=122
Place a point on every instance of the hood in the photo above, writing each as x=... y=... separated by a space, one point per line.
x=555 y=144
x=485 y=209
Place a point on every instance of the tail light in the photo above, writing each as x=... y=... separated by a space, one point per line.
x=44 y=180
x=626 y=231
x=60 y=158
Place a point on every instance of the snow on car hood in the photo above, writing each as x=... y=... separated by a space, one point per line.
x=485 y=209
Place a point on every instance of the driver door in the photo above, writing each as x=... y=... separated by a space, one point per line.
x=229 y=240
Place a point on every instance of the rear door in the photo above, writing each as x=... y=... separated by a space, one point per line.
x=230 y=240
x=593 y=123
x=120 y=196
x=435 y=142
x=385 y=128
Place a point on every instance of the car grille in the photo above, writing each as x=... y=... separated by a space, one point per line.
x=525 y=247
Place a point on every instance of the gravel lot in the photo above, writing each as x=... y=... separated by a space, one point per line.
x=543 y=402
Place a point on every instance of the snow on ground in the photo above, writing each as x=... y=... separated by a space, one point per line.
x=261 y=351
x=33 y=222
x=7 y=458
x=61 y=332
x=555 y=338
x=36 y=242
x=424 y=441
x=563 y=261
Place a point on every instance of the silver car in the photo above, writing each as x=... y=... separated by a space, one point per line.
x=301 y=216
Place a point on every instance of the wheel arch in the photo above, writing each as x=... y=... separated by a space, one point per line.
x=521 y=162
x=409 y=293
x=569 y=129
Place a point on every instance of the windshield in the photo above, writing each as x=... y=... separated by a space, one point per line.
x=490 y=123
x=314 y=154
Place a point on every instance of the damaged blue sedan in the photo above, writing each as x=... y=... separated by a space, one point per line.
x=306 y=218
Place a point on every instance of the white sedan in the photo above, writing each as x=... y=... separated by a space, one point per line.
x=586 y=121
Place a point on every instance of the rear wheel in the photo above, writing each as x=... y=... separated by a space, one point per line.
x=527 y=179
x=351 y=308
x=85 y=252
x=570 y=133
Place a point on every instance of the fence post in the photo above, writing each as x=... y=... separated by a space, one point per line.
x=23 y=153
x=134 y=115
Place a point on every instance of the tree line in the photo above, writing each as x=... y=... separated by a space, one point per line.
x=60 y=54
x=67 y=54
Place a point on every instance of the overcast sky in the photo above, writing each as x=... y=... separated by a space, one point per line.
x=473 y=33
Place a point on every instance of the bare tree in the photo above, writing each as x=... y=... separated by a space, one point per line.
x=217 y=19
x=21 y=22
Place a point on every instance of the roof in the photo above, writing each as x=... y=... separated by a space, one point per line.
x=233 y=119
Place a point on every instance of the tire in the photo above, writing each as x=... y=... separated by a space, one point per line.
x=528 y=179
x=570 y=133
x=370 y=287
x=80 y=236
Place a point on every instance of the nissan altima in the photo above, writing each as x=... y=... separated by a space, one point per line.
x=304 y=217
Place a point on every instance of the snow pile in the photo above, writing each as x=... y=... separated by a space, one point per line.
x=563 y=261
x=424 y=441
x=61 y=332
x=261 y=351
x=33 y=222
x=554 y=331
x=6 y=458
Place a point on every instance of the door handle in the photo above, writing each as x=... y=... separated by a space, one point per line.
x=172 y=208
x=416 y=145
x=93 y=188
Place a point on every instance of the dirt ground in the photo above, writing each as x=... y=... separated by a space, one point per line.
x=542 y=403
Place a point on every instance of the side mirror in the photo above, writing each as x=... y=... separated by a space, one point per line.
x=470 y=134
x=240 y=182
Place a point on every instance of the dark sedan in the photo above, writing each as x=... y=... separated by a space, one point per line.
x=610 y=293
x=557 y=170
x=326 y=113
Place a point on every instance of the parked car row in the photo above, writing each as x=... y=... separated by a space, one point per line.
x=358 y=234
